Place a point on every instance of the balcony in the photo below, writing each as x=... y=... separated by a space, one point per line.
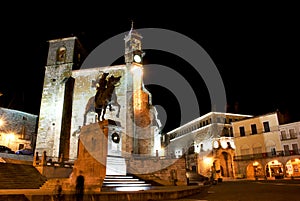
x=292 y=137
x=266 y=155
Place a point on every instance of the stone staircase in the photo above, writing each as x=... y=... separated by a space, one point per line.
x=49 y=185
x=123 y=183
x=115 y=165
x=20 y=176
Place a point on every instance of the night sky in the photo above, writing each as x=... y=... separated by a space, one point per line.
x=255 y=49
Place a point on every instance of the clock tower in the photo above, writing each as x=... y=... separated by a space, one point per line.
x=138 y=97
x=133 y=47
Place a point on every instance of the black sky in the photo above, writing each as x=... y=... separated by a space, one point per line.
x=254 y=47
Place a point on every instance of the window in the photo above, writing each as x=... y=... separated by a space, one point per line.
x=242 y=131
x=266 y=126
x=292 y=133
x=253 y=129
x=283 y=135
x=295 y=148
x=273 y=151
x=61 y=54
x=225 y=132
x=286 y=150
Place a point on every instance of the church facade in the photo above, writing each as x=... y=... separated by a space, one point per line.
x=69 y=97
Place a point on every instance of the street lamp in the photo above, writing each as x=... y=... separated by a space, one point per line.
x=208 y=161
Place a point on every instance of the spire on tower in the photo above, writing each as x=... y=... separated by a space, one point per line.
x=132 y=43
x=131 y=30
x=131 y=24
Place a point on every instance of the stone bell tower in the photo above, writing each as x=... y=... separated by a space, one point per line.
x=64 y=55
x=139 y=99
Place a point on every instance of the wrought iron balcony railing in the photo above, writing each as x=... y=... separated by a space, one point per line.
x=266 y=155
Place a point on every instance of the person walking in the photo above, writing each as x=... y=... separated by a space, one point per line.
x=58 y=191
x=79 y=187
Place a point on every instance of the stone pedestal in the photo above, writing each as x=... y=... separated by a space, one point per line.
x=92 y=155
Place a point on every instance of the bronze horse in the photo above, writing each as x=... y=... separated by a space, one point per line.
x=105 y=96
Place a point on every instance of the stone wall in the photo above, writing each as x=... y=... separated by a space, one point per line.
x=23 y=125
x=159 y=171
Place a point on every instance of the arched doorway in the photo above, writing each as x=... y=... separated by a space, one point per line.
x=293 y=168
x=255 y=170
x=226 y=164
x=274 y=169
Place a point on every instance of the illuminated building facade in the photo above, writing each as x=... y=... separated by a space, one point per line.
x=238 y=146
x=266 y=147
x=207 y=143
x=68 y=102
x=290 y=141
x=17 y=129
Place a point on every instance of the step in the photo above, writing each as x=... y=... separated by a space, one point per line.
x=115 y=165
x=126 y=184
x=118 y=176
x=16 y=176
x=123 y=182
x=120 y=180
x=117 y=181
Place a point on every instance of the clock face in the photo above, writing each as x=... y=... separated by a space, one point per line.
x=137 y=58
x=115 y=137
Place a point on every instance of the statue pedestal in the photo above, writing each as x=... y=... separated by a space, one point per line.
x=92 y=154
x=115 y=163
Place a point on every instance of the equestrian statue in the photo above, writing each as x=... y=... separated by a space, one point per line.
x=105 y=96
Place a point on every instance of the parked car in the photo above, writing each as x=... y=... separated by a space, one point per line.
x=25 y=151
x=5 y=149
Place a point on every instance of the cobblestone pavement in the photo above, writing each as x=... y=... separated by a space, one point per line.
x=281 y=182
x=276 y=182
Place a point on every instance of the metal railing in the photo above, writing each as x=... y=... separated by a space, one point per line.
x=292 y=137
x=266 y=155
